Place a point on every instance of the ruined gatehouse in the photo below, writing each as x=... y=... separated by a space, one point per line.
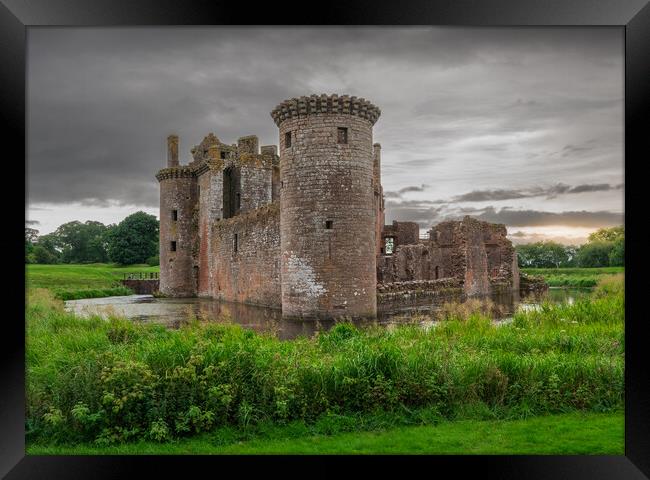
x=302 y=228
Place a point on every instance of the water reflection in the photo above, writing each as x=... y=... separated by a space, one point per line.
x=172 y=312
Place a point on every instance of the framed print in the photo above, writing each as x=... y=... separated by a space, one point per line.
x=392 y=233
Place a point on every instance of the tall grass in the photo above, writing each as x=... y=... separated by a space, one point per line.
x=112 y=381
x=574 y=277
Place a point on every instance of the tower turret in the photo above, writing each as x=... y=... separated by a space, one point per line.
x=327 y=220
x=178 y=196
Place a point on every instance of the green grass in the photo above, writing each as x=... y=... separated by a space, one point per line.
x=72 y=281
x=574 y=277
x=111 y=382
x=574 y=433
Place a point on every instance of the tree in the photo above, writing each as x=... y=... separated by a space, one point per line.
x=595 y=254
x=572 y=256
x=134 y=239
x=82 y=242
x=617 y=255
x=30 y=236
x=43 y=255
x=607 y=234
x=542 y=255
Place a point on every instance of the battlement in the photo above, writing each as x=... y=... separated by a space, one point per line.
x=175 y=172
x=315 y=104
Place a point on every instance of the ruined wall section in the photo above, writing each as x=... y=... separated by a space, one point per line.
x=210 y=211
x=256 y=179
x=378 y=191
x=475 y=253
x=327 y=224
x=178 y=192
x=246 y=268
x=403 y=233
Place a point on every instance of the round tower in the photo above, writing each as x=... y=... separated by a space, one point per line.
x=327 y=219
x=177 y=233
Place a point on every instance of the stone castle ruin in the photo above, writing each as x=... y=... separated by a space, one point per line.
x=303 y=230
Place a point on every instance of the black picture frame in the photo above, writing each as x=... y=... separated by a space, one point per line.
x=631 y=15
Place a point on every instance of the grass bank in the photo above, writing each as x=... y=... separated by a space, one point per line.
x=574 y=277
x=72 y=281
x=575 y=433
x=110 y=382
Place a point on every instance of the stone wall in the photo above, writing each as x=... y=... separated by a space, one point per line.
x=255 y=182
x=178 y=192
x=210 y=202
x=378 y=198
x=396 y=293
x=328 y=218
x=142 y=287
x=475 y=253
x=249 y=272
x=403 y=233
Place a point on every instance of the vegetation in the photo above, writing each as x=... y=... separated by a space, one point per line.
x=574 y=277
x=68 y=282
x=113 y=381
x=575 y=433
x=606 y=247
x=134 y=240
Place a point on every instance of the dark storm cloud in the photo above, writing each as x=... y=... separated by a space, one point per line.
x=548 y=192
x=427 y=213
x=402 y=191
x=454 y=101
x=535 y=218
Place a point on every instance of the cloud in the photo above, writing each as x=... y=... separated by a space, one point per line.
x=488 y=195
x=474 y=108
x=512 y=217
x=402 y=191
x=548 y=192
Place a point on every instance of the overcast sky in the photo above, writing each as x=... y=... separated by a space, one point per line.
x=522 y=126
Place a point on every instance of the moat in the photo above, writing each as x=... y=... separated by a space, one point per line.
x=172 y=312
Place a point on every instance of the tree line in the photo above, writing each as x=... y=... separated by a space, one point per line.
x=604 y=248
x=133 y=240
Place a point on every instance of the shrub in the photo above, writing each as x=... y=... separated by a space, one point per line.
x=115 y=381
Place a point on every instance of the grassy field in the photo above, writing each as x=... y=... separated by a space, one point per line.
x=573 y=277
x=70 y=281
x=574 y=433
x=108 y=383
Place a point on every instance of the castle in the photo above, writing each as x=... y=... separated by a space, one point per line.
x=303 y=230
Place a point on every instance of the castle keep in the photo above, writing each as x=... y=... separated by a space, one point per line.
x=303 y=229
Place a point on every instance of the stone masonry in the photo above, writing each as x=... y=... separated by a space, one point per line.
x=304 y=230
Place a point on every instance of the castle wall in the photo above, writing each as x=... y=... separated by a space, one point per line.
x=403 y=233
x=210 y=211
x=251 y=272
x=177 y=192
x=255 y=182
x=378 y=197
x=328 y=269
x=475 y=253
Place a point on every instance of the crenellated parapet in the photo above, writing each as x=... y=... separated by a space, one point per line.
x=184 y=171
x=325 y=104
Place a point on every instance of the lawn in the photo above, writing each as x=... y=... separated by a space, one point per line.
x=574 y=433
x=69 y=281
x=574 y=277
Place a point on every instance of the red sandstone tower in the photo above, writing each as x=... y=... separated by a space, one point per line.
x=327 y=205
x=178 y=195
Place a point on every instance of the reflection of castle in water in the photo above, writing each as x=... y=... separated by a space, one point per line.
x=172 y=312
x=270 y=320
